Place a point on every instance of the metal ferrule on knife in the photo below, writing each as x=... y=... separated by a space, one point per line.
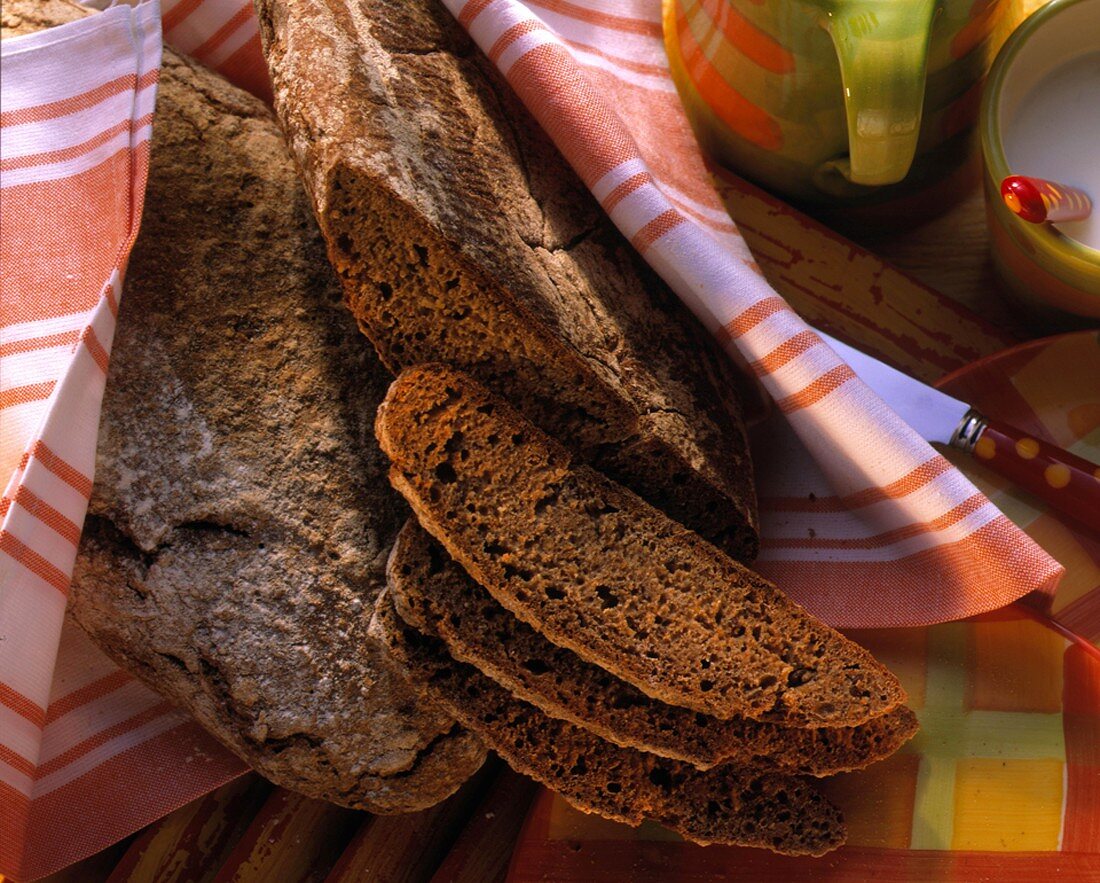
x=970 y=429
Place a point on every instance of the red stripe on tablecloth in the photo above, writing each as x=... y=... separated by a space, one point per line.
x=52 y=278
x=623 y=190
x=515 y=32
x=76 y=103
x=95 y=348
x=47 y=514
x=32 y=392
x=15 y=701
x=37 y=564
x=106 y=803
x=995 y=581
x=72 y=476
x=178 y=13
x=14 y=809
x=77 y=150
x=638 y=67
x=750 y=318
x=16 y=761
x=47 y=341
x=242 y=17
x=78 y=750
x=472 y=10
x=592 y=143
x=888 y=538
x=664 y=223
x=912 y=481
x=97 y=689
x=790 y=349
x=825 y=385
x=112 y=301
x=247 y=69
x=608 y=20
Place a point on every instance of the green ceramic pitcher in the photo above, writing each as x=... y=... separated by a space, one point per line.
x=831 y=99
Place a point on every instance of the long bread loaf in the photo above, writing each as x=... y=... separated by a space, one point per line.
x=462 y=236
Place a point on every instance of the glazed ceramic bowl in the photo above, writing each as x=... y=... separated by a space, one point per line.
x=1042 y=267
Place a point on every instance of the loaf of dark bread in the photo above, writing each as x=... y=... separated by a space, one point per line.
x=462 y=236
x=597 y=570
x=438 y=598
x=241 y=518
x=727 y=804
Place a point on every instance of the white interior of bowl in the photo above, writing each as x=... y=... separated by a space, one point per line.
x=1072 y=33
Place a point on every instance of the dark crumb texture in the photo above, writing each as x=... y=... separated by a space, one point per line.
x=728 y=804
x=461 y=235
x=241 y=517
x=597 y=570
x=436 y=596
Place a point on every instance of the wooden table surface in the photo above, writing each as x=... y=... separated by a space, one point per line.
x=250 y=831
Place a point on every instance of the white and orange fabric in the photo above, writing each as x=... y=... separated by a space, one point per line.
x=87 y=754
x=863 y=522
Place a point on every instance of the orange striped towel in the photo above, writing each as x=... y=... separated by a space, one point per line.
x=86 y=754
x=863 y=522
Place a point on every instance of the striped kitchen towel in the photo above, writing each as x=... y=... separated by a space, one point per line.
x=87 y=754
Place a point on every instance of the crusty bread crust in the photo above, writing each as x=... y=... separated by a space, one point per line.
x=599 y=571
x=438 y=598
x=728 y=804
x=462 y=236
x=241 y=520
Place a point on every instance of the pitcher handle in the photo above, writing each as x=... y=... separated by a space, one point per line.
x=882 y=46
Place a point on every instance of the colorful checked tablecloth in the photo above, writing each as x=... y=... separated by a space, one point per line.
x=898 y=536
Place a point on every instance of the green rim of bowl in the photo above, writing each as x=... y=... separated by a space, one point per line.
x=995 y=162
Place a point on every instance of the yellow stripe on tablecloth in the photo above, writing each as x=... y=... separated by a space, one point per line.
x=1008 y=806
x=945 y=693
x=972 y=782
x=934 y=804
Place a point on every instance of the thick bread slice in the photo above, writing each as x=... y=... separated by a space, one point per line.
x=599 y=571
x=462 y=236
x=241 y=520
x=728 y=804
x=438 y=598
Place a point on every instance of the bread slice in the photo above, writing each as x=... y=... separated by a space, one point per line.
x=241 y=518
x=462 y=236
x=438 y=598
x=597 y=570
x=728 y=804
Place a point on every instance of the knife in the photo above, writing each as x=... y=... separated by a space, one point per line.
x=1064 y=481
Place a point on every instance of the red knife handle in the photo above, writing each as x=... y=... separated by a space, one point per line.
x=1064 y=481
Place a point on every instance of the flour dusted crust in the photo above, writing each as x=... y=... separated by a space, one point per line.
x=461 y=235
x=240 y=523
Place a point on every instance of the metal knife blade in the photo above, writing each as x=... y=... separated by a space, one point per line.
x=933 y=414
